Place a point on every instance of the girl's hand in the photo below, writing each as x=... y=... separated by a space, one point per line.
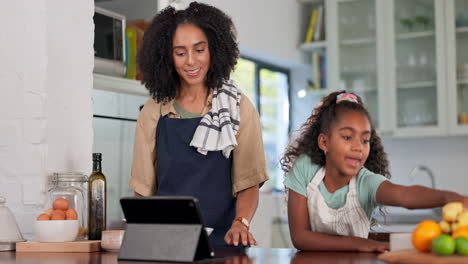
x=239 y=233
x=465 y=203
x=373 y=246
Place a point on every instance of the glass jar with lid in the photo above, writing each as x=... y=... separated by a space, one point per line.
x=72 y=187
x=9 y=231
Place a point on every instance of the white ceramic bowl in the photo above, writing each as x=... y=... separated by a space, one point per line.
x=56 y=230
x=111 y=240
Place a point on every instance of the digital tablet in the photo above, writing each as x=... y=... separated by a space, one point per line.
x=152 y=222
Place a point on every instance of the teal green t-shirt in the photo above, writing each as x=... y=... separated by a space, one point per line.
x=183 y=113
x=304 y=170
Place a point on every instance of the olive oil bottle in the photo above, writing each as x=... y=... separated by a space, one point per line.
x=97 y=199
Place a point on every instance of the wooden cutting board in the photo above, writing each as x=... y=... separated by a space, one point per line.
x=414 y=257
x=75 y=246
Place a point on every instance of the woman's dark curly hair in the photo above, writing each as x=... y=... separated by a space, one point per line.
x=320 y=121
x=155 y=55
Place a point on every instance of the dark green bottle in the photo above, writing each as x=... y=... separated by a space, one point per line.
x=97 y=199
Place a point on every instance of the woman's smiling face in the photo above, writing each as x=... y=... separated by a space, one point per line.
x=347 y=143
x=190 y=54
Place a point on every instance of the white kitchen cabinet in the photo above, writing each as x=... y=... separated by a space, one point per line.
x=456 y=13
x=416 y=67
x=406 y=59
x=116 y=103
x=358 y=68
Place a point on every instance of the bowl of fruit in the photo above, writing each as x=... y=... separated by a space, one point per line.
x=57 y=224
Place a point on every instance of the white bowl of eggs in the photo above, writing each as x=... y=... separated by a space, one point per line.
x=57 y=224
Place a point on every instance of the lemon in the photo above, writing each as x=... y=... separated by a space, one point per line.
x=461 y=244
x=443 y=245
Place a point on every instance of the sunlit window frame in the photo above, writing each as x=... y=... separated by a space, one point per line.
x=268 y=66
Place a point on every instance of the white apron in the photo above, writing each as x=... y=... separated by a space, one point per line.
x=349 y=220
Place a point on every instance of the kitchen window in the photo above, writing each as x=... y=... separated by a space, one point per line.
x=267 y=87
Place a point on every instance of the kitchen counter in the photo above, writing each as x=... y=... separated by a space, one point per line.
x=251 y=256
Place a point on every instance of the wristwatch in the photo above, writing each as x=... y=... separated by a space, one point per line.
x=243 y=221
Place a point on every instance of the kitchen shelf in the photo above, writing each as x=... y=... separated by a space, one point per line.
x=462 y=30
x=313 y=91
x=364 y=73
x=309 y=1
x=365 y=90
x=347 y=1
x=412 y=85
x=318 y=46
x=413 y=35
x=118 y=85
x=360 y=41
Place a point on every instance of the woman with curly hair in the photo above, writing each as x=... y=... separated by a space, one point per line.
x=198 y=135
x=337 y=174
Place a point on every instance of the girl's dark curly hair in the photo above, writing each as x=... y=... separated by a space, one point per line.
x=320 y=121
x=155 y=55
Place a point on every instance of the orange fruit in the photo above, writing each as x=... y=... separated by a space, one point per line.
x=461 y=232
x=424 y=233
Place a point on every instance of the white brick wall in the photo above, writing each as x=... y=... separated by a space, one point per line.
x=45 y=98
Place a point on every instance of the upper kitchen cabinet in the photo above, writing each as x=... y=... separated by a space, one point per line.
x=393 y=54
x=416 y=67
x=358 y=43
x=407 y=60
x=456 y=13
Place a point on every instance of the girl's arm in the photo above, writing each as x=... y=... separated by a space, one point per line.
x=412 y=197
x=304 y=239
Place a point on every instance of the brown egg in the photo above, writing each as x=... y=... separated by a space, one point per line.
x=49 y=211
x=71 y=214
x=42 y=217
x=58 y=215
x=61 y=204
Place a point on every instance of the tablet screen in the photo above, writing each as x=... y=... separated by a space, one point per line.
x=162 y=210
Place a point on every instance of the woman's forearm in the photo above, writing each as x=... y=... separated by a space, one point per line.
x=247 y=202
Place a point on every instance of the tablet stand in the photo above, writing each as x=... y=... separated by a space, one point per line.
x=165 y=242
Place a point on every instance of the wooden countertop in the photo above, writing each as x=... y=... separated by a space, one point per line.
x=251 y=256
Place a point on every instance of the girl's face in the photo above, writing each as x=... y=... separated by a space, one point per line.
x=190 y=54
x=347 y=145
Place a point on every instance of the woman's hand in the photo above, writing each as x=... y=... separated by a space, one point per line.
x=369 y=245
x=239 y=233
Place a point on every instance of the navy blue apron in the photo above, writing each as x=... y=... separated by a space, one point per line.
x=181 y=170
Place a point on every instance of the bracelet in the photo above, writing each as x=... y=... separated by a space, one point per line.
x=243 y=221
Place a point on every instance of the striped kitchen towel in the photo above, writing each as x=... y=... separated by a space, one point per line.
x=218 y=128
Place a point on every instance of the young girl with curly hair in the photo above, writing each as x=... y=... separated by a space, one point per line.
x=198 y=135
x=337 y=174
